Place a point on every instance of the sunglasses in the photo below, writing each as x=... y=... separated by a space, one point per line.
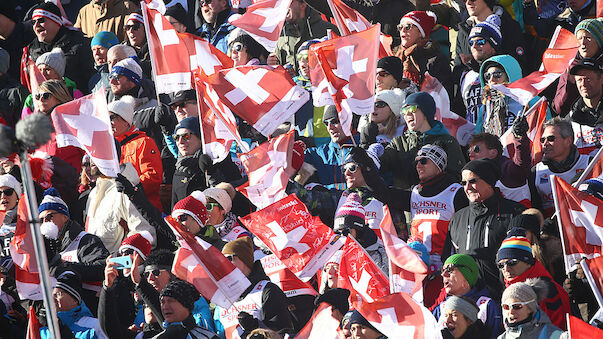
x=114 y=76
x=409 y=110
x=155 y=272
x=183 y=136
x=351 y=167
x=475 y=149
x=332 y=121
x=45 y=96
x=134 y=27
x=496 y=75
x=380 y=104
x=39 y=21
x=549 y=138
x=477 y=42
x=450 y=268
x=508 y=263
x=422 y=161
x=182 y=218
x=303 y=55
x=112 y=117
x=210 y=206
x=383 y=73
x=48 y=217
x=128 y=251
x=406 y=27
x=230 y=257
x=205 y=2
x=182 y=105
x=8 y=192
x=516 y=306
x=237 y=47
x=470 y=181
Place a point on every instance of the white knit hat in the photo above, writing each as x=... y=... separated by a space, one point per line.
x=124 y=107
x=394 y=99
x=54 y=59
x=10 y=181
x=220 y=196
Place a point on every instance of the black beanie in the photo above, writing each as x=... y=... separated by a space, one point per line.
x=50 y=7
x=393 y=66
x=491 y=3
x=336 y=297
x=254 y=48
x=357 y=318
x=177 y=12
x=486 y=169
x=528 y=222
x=7 y=8
x=185 y=293
x=160 y=258
x=71 y=283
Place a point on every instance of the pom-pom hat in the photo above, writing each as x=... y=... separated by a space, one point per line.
x=52 y=201
x=193 y=206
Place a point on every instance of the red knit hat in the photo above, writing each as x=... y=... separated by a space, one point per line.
x=193 y=206
x=299 y=147
x=138 y=242
x=425 y=21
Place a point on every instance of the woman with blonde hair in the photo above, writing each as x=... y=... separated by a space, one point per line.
x=51 y=93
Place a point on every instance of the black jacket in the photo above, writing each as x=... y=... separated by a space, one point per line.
x=585 y=115
x=478 y=230
x=12 y=97
x=186 y=329
x=116 y=311
x=475 y=330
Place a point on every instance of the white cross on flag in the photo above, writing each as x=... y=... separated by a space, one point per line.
x=263 y=21
x=345 y=68
x=398 y=316
x=359 y=274
x=555 y=60
x=580 y=217
x=262 y=96
x=204 y=266
x=85 y=123
x=204 y=57
x=322 y=325
x=407 y=270
x=302 y=242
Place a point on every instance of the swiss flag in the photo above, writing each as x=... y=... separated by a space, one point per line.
x=204 y=57
x=204 y=266
x=555 y=60
x=579 y=329
x=345 y=68
x=458 y=127
x=398 y=316
x=581 y=222
x=322 y=325
x=302 y=242
x=593 y=269
x=31 y=77
x=33 y=324
x=264 y=21
x=268 y=168
x=536 y=117
x=407 y=270
x=262 y=96
x=359 y=274
x=85 y=123
x=282 y=276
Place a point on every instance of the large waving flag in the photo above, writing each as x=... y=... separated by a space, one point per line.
x=579 y=329
x=204 y=57
x=264 y=21
x=282 y=276
x=85 y=123
x=204 y=266
x=302 y=242
x=322 y=325
x=593 y=270
x=536 y=117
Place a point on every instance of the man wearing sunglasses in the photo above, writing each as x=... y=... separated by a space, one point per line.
x=517 y=264
x=389 y=73
x=137 y=39
x=10 y=193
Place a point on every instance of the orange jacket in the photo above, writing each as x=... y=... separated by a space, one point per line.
x=142 y=152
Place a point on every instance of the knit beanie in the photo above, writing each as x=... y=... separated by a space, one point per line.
x=489 y=30
x=516 y=246
x=329 y=113
x=124 y=107
x=466 y=265
x=421 y=251
x=4 y=60
x=185 y=293
x=394 y=98
x=71 y=283
x=425 y=21
x=357 y=318
x=55 y=59
x=468 y=309
x=138 y=242
x=52 y=201
x=191 y=124
x=161 y=259
x=104 y=39
x=528 y=222
x=368 y=159
x=434 y=153
x=129 y=68
x=9 y=181
x=137 y=17
x=177 y=12
x=336 y=297
x=523 y=292
x=193 y=206
x=392 y=65
x=594 y=27
x=254 y=48
x=486 y=169
x=242 y=248
x=49 y=11
x=426 y=104
x=350 y=215
x=306 y=45
x=220 y=196
x=491 y=3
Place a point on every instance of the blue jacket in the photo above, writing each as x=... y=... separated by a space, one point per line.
x=80 y=321
x=328 y=159
x=219 y=38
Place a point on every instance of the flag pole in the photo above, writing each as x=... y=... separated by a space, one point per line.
x=589 y=168
x=199 y=103
x=557 y=209
x=147 y=31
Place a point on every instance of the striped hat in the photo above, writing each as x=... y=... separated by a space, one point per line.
x=516 y=246
x=52 y=201
x=136 y=17
x=350 y=214
x=594 y=27
x=71 y=283
x=49 y=11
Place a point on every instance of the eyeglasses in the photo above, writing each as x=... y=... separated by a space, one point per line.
x=128 y=251
x=39 y=20
x=134 y=27
x=380 y=104
x=237 y=46
x=422 y=161
x=383 y=74
x=470 y=181
x=45 y=96
x=183 y=136
x=112 y=117
x=406 y=27
x=182 y=105
x=409 y=110
x=8 y=192
x=204 y=2
x=332 y=121
x=48 y=217
x=349 y=167
x=210 y=206
x=450 y=268
x=57 y=294
x=508 y=263
x=496 y=74
x=549 y=138
x=475 y=149
x=182 y=218
x=478 y=42
x=516 y=306
x=230 y=257
x=155 y=272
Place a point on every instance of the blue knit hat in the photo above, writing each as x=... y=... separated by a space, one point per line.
x=52 y=201
x=190 y=123
x=425 y=102
x=105 y=39
x=489 y=30
x=129 y=68
x=421 y=250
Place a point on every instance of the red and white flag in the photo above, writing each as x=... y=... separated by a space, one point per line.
x=578 y=329
x=593 y=270
x=580 y=219
x=555 y=61
x=345 y=68
x=322 y=325
x=31 y=77
x=536 y=117
x=302 y=242
x=282 y=277
x=264 y=21
x=398 y=316
x=204 y=266
x=359 y=274
x=262 y=96
x=407 y=270
x=204 y=57
x=458 y=127
x=85 y=123
x=33 y=324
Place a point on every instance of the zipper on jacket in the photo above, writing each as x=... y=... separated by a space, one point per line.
x=486 y=236
x=468 y=237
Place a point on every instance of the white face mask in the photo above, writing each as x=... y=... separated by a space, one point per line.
x=50 y=230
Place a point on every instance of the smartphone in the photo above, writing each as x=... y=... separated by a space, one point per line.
x=122 y=262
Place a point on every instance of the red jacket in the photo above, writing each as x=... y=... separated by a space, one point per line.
x=556 y=304
x=142 y=152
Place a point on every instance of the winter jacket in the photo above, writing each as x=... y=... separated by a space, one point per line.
x=12 y=98
x=401 y=152
x=475 y=330
x=218 y=33
x=478 y=230
x=588 y=126
x=109 y=15
x=116 y=309
x=7 y=232
x=515 y=172
x=328 y=160
x=14 y=42
x=100 y=78
x=78 y=54
x=584 y=115
x=567 y=92
x=569 y=18
x=556 y=304
x=538 y=327
x=80 y=321
x=186 y=329
x=419 y=59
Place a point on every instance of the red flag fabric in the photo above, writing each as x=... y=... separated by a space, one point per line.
x=321 y=325
x=580 y=222
x=262 y=96
x=458 y=127
x=359 y=274
x=345 y=68
x=85 y=123
x=593 y=270
x=302 y=242
x=33 y=324
x=398 y=316
x=204 y=57
x=536 y=117
x=264 y=21
x=407 y=270
x=282 y=276
x=579 y=329
x=204 y=266
x=31 y=77
x=268 y=168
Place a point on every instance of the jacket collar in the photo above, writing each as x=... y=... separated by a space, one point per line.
x=536 y=271
x=490 y=205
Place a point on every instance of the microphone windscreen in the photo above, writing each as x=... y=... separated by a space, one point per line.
x=34 y=130
x=8 y=141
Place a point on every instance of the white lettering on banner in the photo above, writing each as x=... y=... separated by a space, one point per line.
x=361 y=286
x=586 y=219
x=283 y=240
x=166 y=37
x=246 y=85
x=346 y=67
x=272 y=20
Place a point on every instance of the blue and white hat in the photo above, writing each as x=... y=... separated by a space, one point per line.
x=52 y=201
x=129 y=68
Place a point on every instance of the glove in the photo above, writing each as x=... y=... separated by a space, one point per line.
x=124 y=185
x=368 y=134
x=520 y=126
x=248 y=322
x=165 y=118
x=205 y=163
